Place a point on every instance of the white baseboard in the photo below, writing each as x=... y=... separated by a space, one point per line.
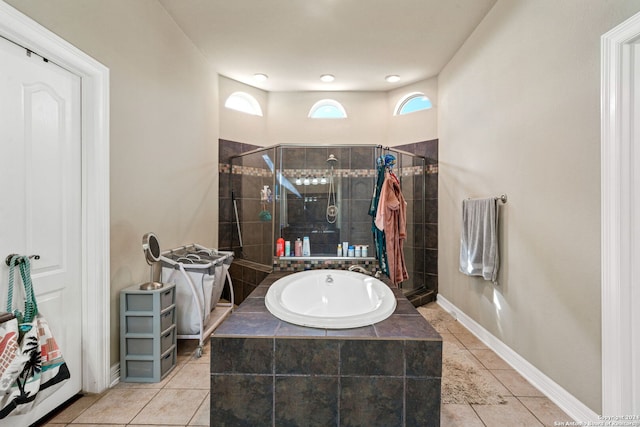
x=558 y=395
x=115 y=375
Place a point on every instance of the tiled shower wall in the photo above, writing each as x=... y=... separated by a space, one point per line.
x=257 y=235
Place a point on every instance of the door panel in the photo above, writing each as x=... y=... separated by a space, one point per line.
x=40 y=189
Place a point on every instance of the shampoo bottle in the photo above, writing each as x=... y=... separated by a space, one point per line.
x=306 y=246
x=297 y=250
x=280 y=247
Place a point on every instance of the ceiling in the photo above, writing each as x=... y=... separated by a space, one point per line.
x=358 y=41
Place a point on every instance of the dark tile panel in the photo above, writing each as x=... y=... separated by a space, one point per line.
x=307 y=357
x=431 y=236
x=290 y=330
x=225 y=210
x=431 y=257
x=372 y=357
x=241 y=400
x=316 y=158
x=251 y=305
x=431 y=186
x=423 y=402
x=361 y=188
x=249 y=325
x=362 y=158
x=371 y=401
x=363 y=332
x=418 y=235
x=404 y=307
x=423 y=358
x=259 y=292
x=306 y=401
x=431 y=211
x=403 y=326
x=431 y=281
x=241 y=355
x=293 y=157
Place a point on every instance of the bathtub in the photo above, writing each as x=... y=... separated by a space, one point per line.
x=331 y=299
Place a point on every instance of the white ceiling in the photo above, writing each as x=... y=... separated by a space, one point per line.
x=358 y=41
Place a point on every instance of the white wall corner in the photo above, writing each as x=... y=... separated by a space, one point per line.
x=558 y=395
x=619 y=201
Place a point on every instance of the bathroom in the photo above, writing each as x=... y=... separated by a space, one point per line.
x=543 y=151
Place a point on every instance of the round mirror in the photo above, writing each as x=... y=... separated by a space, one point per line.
x=151 y=248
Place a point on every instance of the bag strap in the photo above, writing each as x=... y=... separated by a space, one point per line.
x=30 y=305
x=12 y=265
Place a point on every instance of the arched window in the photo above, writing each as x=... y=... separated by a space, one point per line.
x=414 y=101
x=243 y=102
x=327 y=109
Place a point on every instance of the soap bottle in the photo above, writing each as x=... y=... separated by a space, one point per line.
x=297 y=250
x=280 y=247
x=339 y=250
x=306 y=246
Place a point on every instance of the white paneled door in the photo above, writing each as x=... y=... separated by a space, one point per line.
x=41 y=200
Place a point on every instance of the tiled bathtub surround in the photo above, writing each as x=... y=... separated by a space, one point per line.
x=267 y=372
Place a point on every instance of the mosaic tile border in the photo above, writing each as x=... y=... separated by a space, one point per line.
x=339 y=173
x=314 y=264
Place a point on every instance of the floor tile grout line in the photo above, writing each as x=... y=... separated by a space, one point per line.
x=477 y=415
x=206 y=396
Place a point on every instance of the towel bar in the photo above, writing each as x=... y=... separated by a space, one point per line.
x=502 y=198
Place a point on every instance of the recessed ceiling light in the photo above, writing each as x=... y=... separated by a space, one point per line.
x=327 y=78
x=394 y=78
x=260 y=77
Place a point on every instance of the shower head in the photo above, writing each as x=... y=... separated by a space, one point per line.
x=332 y=159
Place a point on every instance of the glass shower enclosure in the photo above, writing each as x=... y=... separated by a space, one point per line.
x=323 y=192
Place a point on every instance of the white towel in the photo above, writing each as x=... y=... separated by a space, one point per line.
x=479 y=238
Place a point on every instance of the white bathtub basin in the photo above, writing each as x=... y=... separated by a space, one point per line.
x=332 y=299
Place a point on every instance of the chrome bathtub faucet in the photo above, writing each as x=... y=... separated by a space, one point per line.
x=359 y=269
x=329 y=279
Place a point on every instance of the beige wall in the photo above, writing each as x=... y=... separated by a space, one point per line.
x=520 y=114
x=164 y=127
x=238 y=126
x=370 y=117
x=414 y=127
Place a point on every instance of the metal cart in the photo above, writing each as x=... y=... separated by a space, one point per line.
x=199 y=274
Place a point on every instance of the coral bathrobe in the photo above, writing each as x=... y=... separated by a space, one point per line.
x=392 y=218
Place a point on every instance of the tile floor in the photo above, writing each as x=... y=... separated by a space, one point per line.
x=182 y=398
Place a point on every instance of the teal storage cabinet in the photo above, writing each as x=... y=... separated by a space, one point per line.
x=147 y=333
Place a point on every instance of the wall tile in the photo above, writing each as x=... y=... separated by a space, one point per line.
x=241 y=355
x=306 y=401
x=371 y=401
x=372 y=358
x=307 y=357
x=249 y=324
x=423 y=402
x=241 y=400
x=423 y=358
